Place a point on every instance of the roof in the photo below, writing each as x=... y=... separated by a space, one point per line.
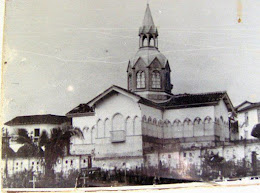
x=148 y=24
x=88 y=108
x=148 y=54
x=38 y=119
x=249 y=107
x=175 y=102
x=242 y=105
x=81 y=109
x=197 y=100
x=148 y=19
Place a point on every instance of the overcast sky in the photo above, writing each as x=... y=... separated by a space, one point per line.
x=59 y=54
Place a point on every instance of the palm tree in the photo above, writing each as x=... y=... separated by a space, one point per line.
x=58 y=145
x=29 y=148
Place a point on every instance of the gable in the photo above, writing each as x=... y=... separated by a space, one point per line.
x=139 y=63
x=155 y=63
x=88 y=109
x=116 y=102
x=243 y=105
x=110 y=91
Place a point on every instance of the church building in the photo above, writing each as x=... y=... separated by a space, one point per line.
x=146 y=125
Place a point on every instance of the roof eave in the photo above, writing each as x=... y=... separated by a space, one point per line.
x=109 y=90
x=71 y=115
x=228 y=103
x=253 y=106
x=192 y=105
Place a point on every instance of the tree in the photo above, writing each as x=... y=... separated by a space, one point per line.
x=256 y=131
x=59 y=145
x=29 y=148
x=44 y=138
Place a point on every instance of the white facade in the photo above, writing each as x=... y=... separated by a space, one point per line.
x=247 y=120
x=113 y=133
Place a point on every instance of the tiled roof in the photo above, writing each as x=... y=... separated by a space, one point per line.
x=193 y=100
x=249 y=107
x=38 y=119
x=240 y=106
x=175 y=102
x=82 y=108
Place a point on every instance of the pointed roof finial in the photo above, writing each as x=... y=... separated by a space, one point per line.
x=148 y=24
x=148 y=19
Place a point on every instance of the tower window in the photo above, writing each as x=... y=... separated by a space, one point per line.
x=156 y=79
x=140 y=79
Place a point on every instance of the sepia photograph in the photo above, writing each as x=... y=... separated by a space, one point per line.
x=130 y=94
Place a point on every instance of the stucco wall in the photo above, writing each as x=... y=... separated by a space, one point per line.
x=191 y=113
x=245 y=130
x=98 y=129
x=181 y=163
x=16 y=165
x=221 y=117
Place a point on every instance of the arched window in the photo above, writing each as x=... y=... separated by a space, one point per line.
x=140 y=80
x=177 y=129
x=100 y=129
x=198 y=127
x=187 y=128
x=87 y=135
x=156 y=79
x=151 y=41
x=107 y=128
x=129 y=126
x=118 y=122
x=149 y=120
x=154 y=121
x=176 y=122
x=145 y=41
x=93 y=135
x=207 y=120
x=144 y=118
x=197 y=121
x=136 y=126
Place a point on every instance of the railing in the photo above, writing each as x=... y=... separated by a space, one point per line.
x=118 y=136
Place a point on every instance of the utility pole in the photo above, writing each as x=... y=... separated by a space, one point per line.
x=6 y=145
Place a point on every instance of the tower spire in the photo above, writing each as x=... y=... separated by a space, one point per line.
x=148 y=19
x=148 y=32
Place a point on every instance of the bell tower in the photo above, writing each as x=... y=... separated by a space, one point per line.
x=149 y=70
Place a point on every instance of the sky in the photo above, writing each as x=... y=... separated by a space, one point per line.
x=58 y=54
